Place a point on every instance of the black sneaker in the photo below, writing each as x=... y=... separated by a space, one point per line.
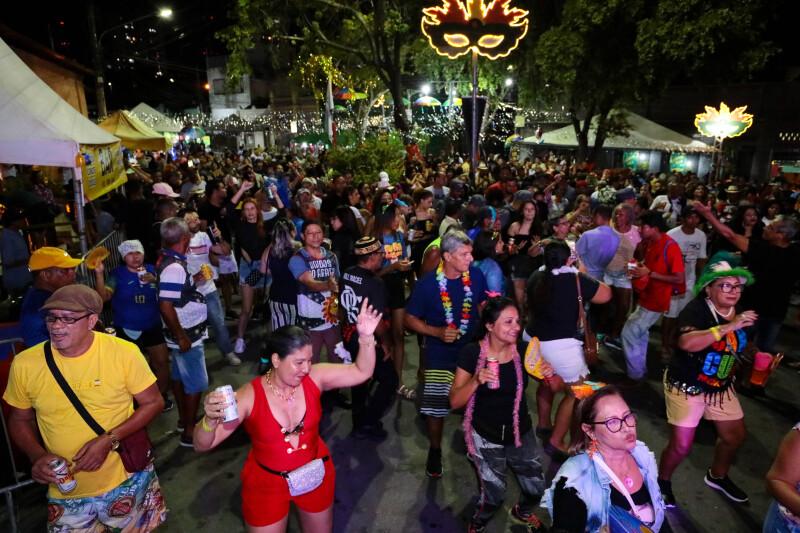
x=476 y=528
x=168 y=405
x=433 y=466
x=613 y=343
x=726 y=487
x=186 y=442
x=529 y=519
x=666 y=493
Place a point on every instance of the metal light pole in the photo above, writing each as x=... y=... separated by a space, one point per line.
x=97 y=51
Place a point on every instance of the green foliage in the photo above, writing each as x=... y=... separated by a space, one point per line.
x=366 y=159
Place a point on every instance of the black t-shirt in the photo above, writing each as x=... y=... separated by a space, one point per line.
x=493 y=417
x=359 y=283
x=775 y=270
x=711 y=369
x=248 y=237
x=331 y=202
x=556 y=315
x=215 y=215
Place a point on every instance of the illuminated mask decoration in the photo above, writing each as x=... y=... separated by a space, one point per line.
x=457 y=27
x=723 y=123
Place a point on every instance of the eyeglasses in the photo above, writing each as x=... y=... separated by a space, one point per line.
x=66 y=320
x=614 y=424
x=730 y=287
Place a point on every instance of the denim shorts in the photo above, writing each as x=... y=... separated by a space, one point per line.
x=136 y=504
x=245 y=269
x=190 y=369
x=618 y=279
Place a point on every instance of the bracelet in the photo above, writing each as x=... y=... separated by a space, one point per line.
x=206 y=427
x=716 y=333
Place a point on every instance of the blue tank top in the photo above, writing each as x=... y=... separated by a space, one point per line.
x=135 y=306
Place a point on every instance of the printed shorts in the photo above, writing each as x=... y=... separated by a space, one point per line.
x=435 y=400
x=135 y=506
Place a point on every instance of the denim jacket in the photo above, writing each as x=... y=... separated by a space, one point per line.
x=594 y=486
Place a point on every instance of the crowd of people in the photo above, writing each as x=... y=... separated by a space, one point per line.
x=512 y=275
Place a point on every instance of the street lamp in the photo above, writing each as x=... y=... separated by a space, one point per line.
x=425 y=89
x=509 y=82
x=97 y=49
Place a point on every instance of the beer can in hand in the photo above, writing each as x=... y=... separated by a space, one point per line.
x=493 y=365
x=205 y=269
x=140 y=273
x=231 y=411
x=66 y=481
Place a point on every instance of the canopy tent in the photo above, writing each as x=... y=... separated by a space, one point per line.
x=155 y=119
x=644 y=134
x=37 y=127
x=133 y=132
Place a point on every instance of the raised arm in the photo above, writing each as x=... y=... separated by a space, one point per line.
x=334 y=376
x=740 y=241
x=212 y=430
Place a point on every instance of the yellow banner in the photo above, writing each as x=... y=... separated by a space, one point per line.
x=102 y=168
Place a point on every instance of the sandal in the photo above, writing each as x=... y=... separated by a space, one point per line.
x=407 y=392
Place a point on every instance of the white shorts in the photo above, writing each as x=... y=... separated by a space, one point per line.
x=566 y=358
x=618 y=279
x=227 y=264
x=678 y=303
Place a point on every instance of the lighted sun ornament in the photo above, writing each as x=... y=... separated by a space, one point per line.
x=493 y=29
x=723 y=123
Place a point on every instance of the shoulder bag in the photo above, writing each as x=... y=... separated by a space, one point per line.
x=135 y=450
x=589 y=338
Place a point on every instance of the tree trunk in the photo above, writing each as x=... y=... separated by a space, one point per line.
x=399 y=113
x=364 y=114
x=600 y=135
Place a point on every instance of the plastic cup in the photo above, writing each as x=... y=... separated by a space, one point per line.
x=761 y=368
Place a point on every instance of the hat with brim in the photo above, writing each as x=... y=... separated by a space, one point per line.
x=720 y=268
x=732 y=189
x=76 y=298
x=50 y=257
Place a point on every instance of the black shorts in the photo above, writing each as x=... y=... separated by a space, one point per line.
x=148 y=338
x=395 y=290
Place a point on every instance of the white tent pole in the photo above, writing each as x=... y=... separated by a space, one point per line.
x=77 y=185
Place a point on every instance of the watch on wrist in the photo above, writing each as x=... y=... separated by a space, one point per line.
x=114 y=441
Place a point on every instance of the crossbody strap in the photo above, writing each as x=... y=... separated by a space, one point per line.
x=581 y=309
x=285 y=473
x=76 y=403
x=619 y=484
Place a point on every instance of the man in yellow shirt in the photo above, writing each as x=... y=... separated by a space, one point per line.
x=106 y=374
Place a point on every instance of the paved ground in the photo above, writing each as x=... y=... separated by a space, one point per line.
x=381 y=487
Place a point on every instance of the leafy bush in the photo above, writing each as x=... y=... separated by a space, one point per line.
x=367 y=159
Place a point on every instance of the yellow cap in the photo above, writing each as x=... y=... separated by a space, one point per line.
x=50 y=257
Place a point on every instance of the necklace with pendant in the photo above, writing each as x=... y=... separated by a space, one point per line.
x=288 y=398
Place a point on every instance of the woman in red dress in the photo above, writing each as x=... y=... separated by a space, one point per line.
x=281 y=413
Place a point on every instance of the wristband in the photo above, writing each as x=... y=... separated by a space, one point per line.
x=716 y=333
x=206 y=427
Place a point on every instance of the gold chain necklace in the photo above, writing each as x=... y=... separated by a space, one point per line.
x=287 y=398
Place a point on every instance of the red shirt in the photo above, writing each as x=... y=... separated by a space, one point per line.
x=657 y=295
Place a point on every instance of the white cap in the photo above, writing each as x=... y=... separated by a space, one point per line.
x=127 y=247
x=164 y=189
x=384 y=180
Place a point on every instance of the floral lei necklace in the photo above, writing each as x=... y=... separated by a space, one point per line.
x=447 y=303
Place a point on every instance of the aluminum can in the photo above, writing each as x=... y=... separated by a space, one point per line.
x=208 y=274
x=411 y=233
x=141 y=272
x=231 y=412
x=493 y=365
x=66 y=481
x=632 y=264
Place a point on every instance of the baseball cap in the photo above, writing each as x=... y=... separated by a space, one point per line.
x=477 y=200
x=50 y=257
x=77 y=298
x=163 y=189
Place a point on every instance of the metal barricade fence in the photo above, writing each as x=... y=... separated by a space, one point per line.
x=85 y=276
x=16 y=479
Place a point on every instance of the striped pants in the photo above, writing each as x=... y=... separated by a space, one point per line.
x=282 y=314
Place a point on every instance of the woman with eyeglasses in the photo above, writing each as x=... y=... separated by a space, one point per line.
x=609 y=484
x=714 y=334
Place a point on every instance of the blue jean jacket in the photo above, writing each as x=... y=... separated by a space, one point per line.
x=594 y=486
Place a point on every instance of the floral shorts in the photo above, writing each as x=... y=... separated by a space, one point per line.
x=134 y=506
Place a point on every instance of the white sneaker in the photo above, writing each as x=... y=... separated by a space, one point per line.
x=239 y=346
x=232 y=359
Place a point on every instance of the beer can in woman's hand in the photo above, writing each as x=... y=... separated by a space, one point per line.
x=493 y=365
x=231 y=411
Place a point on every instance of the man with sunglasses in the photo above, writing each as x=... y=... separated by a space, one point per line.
x=713 y=336
x=52 y=269
x=106 y=374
